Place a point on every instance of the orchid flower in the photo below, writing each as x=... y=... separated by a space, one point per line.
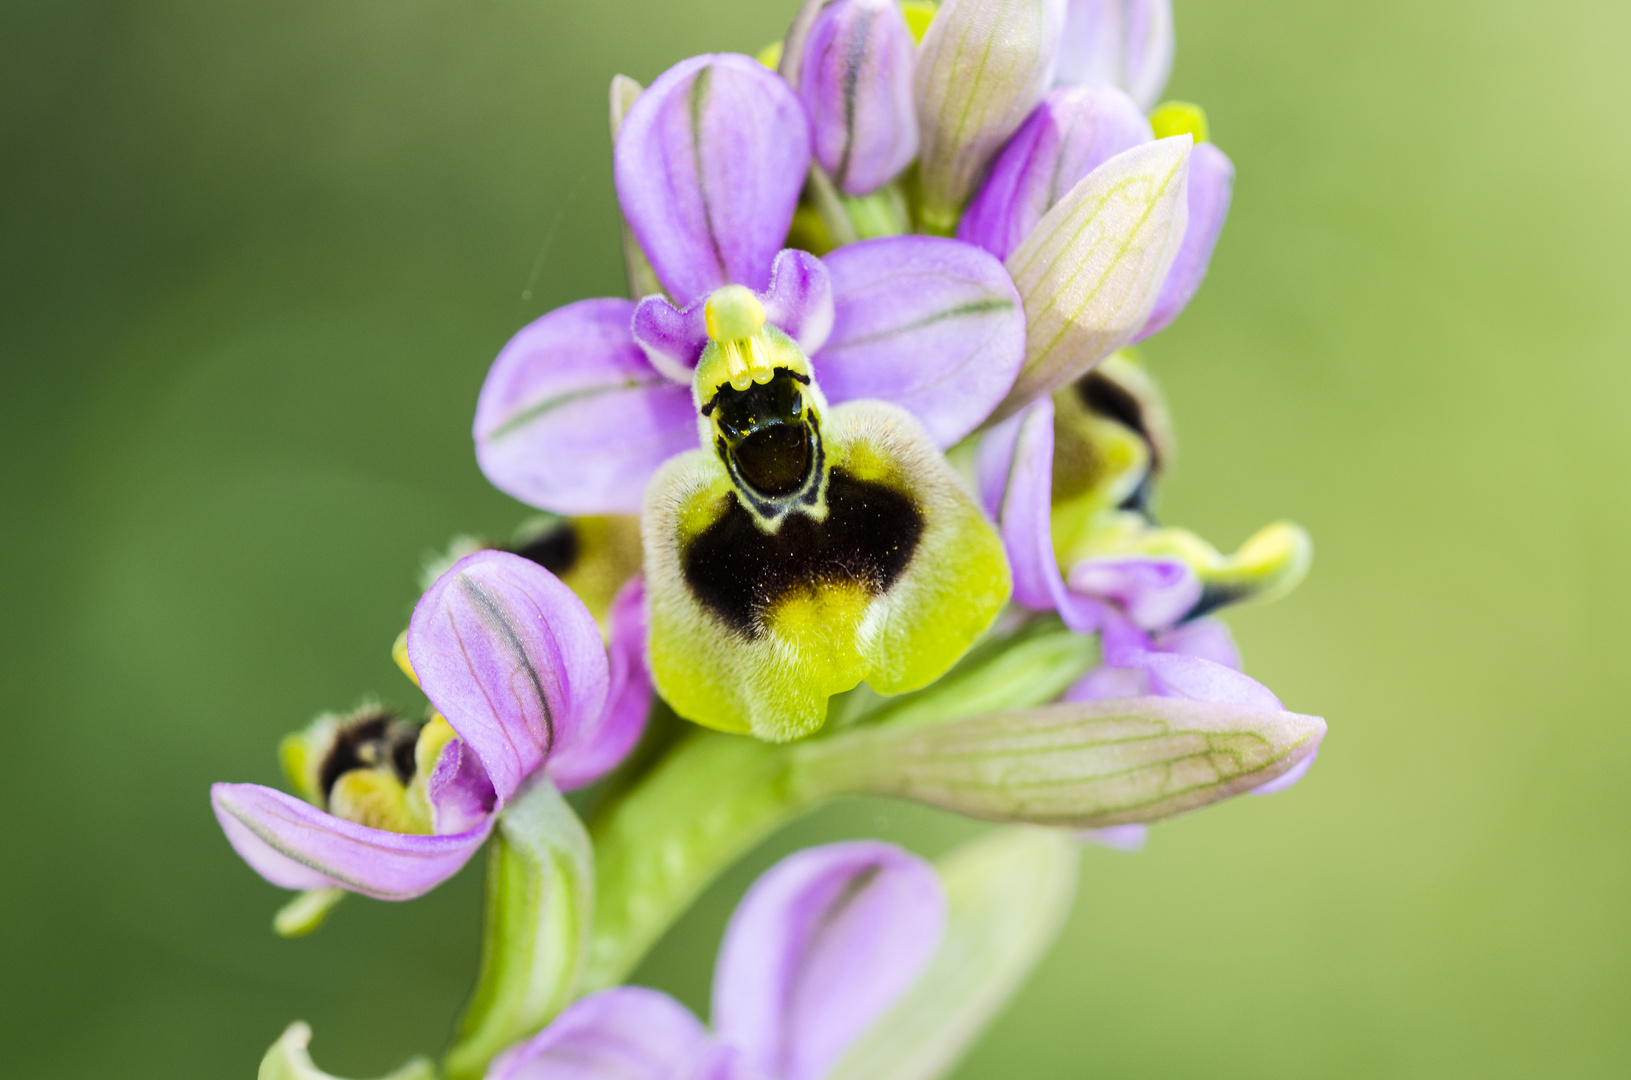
x=856 y=530
x=820 y=948
x=1071 y=480
x=753 y=519
x=521 y=685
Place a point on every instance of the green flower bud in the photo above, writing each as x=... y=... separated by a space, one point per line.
x=288 y=1059
x=1079 y=764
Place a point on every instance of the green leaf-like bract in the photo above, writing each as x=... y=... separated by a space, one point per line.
x=540 y=894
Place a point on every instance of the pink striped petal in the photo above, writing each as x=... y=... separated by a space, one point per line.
x=292 y=843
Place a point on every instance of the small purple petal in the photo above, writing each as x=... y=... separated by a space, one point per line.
x=672 y=338
x=630 y=1033
x=601 y=747
x=1072 y=132
x=1208 y=639
x=292 y=843
x=856 y=84
x=511 y=658
x=1026 y=516
x=1104 y=683
x=461 y=794
x=927 y=323
x=1191 y=677
x=799 y=301
x=720 y=1061
x=1125 y=43
x=822 y=945
x=1128 y=838
x=553 y=395
x=993 y=460
x=709 y=164
x=1288 y=778
x=1154 y=591
x=1211 y=186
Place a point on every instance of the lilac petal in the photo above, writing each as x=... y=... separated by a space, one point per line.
x=993 y=460
x=672 y=338
x=1208 y=639
x=1125 y=43
x=1154 y=591
x=721 y=1061
x=1211 y=185
x=1026 y=513
x=1072 y=132
x=552 y=395
x=1105 y=682
x=981 y=68
x=927 y=323
x=512 y=658
x=826 y=941
x=1127 y=838
x=1288 y=778
x=292 y=843
x=629 y=1032
x=855 y=80
x=1202 y=680
x=799 y=300
x=709 y=164
x=461 y=794
x=602 y=747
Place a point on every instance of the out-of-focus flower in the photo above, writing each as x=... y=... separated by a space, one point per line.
x=820 y=948
x=514 y=666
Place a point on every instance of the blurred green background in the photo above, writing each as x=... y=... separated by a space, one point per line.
x=257 y=257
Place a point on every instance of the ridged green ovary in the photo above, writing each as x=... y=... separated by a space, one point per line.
x=540 y=899
x=1008 y=895
x=823 y=640
x=288 y=1059
x=1080 y=765
x=714 y=796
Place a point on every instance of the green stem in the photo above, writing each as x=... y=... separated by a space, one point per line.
x=659 y=844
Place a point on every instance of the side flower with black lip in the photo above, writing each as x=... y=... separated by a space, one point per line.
x=516 y=665
x=1072 y=481
x=806 y=547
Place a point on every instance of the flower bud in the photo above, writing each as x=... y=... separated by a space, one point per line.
x=642 y=278
x=982 y=67
x=1090 y=271
x=856 y=84
x=1125 y=43
x=1073 y=132
x=1079 y=764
